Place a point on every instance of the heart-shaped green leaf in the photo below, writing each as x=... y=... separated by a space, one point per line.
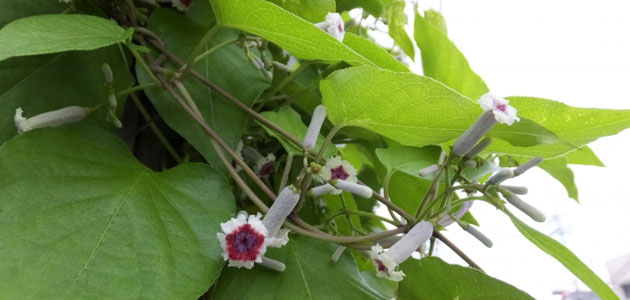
x=83 y=219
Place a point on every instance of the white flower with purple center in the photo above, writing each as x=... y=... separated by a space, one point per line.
x=182 y=5
x=386 y=261
x=265 y=166
x=503 y=112
x=333 y=25
x=338 y=169
x=244 y=240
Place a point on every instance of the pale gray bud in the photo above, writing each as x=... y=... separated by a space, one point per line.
x=520 y=190
x=479 y=147
x=500 y=176
x=53 y=118
x=470 y=164
x=355 y=188
x=526 y=208
x=528 y=165
x=319 y=116
x=280 y=210
x=322 y=190
x=428 y=170
x=337 y=254
x=410 y=242
x=478 y=235
x=447 y=220
x=471 y=136
x=273 y=264
x=107 y=71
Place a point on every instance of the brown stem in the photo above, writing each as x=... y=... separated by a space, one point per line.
x=458 y=251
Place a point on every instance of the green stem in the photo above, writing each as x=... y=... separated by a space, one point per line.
x=329 y=138
x=434 y=186
x=144 y=65
x=135 y=89
x=213 y=49
x=370 y=215
x=160 y=136
x=202 y=43
x=288 y=79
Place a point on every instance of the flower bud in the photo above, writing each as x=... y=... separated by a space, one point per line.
x=428 y=170
x=278 y=212
x=470 y=164
x=319 y=115
x=471 y=136
x=273 y=264
x=526 y=208
x=520 y=190
x=338 y=252
x=107 y=71
x=322 y=190
x=447 y=220
x=500 y=176
x=355 y=188
x=53 y=118
x=478 y=148
x=528 y=165
x=478 y=235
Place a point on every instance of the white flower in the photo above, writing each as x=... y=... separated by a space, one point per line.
x=387 y=261
x=319 y=116
x=265 y=165
x=503 y=112
x=278 y=212
x=244 y=240
x=53 y=118
x=336 y=168
x=182 y=5
x=333 y=25
x=385 y=266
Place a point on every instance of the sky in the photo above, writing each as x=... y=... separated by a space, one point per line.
x=576 y=52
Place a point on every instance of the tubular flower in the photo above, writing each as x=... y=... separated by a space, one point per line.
x=333 y=25
x=182 y=5
x=387 y=261
x=503 y=112
x=319 y=116
x=244 y=240
x=278 y=212
x=53 y=118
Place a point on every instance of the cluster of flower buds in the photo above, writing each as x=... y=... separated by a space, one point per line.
x=111 y=97
x=245 y=238
x=386 y=261
x=333 y=25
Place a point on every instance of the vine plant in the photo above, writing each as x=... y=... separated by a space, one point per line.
x=285 y=109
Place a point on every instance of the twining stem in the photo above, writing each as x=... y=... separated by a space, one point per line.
x=159 y=45
x=134 y=89
x=386 y=181
x=457 y=251
x=160 y=136
x=286 y=172
x=143 y=64
x=324 y=145
x=202 y=43
x=431 y=192
x=213 y=49
x=288 y=79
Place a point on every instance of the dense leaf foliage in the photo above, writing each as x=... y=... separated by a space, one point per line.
x=192 y=133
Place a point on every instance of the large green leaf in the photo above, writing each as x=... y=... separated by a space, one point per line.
x=576 y=126
x=57 y=33
x=559 y=169
x=442 y=61
x=290 y=120
x=565 y=257
x=310 y=274
x=411 y=109
x=432 y=278
x=83 y=219
x=373 y=52
x=310 y=10
x=14 y=9
x=228 y=67
x=396 y=26
x=584 y=156
x=408 y=159
x=48 y=82
x=374 y=7
x=289 y=31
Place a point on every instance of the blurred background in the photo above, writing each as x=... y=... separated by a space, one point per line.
x=576 y=52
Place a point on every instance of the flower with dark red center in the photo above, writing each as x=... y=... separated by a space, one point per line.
x=503 y=112
x=265 y=165
x=386 y=262
x=244 y=240
x=338 y=169
x=333 y=25
x=182 y=5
